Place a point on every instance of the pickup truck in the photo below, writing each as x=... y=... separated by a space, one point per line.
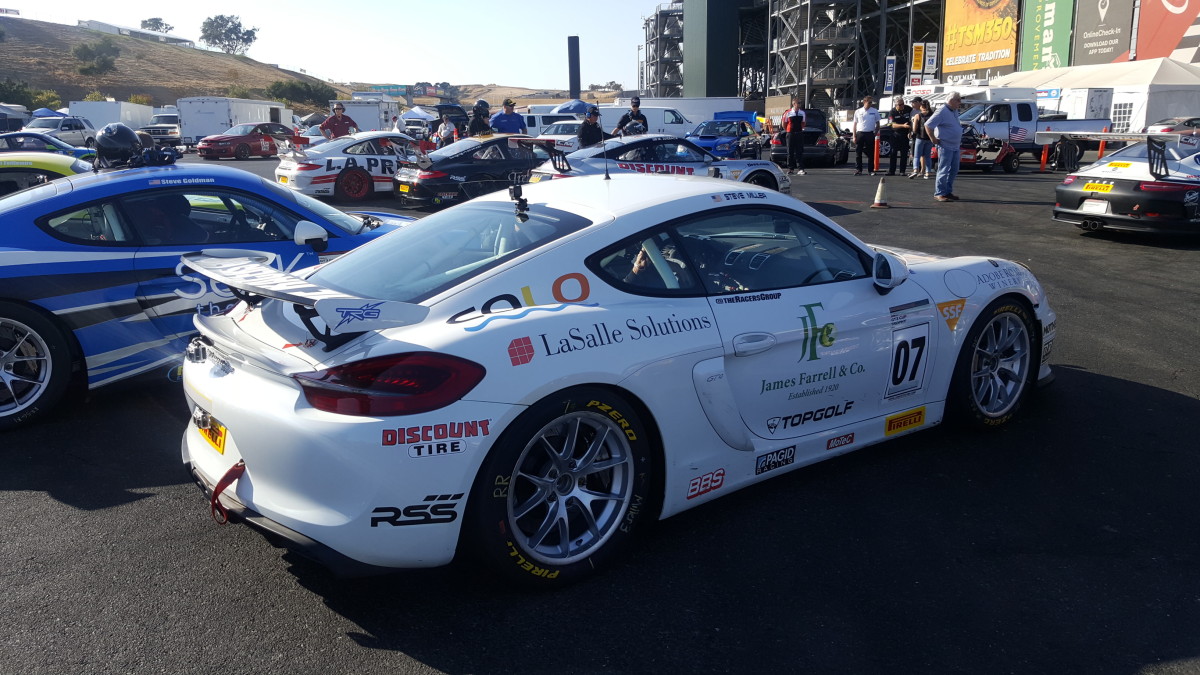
x=1018 y=120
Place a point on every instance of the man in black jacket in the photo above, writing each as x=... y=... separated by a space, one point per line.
x=634 y=115
x=901 y=128
x=590 y=132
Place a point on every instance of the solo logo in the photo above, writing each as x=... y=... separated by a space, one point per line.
x=706 y=483
x=434 y=509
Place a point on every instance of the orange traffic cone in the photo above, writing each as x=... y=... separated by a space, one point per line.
x=456 y=132
x=880 y=197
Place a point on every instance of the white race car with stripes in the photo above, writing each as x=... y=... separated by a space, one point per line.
x=349 y=168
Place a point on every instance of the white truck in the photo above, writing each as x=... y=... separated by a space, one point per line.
x=696 y=108
x=1018 y=120
x=201 y=116
x=661 y=120
x=163 y=126
x=370 y=110
x=100 y=113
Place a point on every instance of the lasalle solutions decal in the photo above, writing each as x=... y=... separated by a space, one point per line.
x=523 y=350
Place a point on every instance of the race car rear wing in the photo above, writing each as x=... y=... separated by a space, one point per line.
x=1156 y=144
x=345 y=316
x=558 y=159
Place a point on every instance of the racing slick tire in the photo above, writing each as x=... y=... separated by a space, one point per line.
x=35 y=365
x=563 y=491
x=242 y=151
x=352 y=185
x=763 y=179
x=1012 y=163
x=997 y=366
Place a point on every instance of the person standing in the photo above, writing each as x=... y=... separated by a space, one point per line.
x=922 y=146
x=479 y=119
x=634 y=115
x=946 y=131
x=793 y=126
x=866 y=123
x=445 y=133
x=901 y=128
x=590 y=132
x=509 y=121
x=339 y=125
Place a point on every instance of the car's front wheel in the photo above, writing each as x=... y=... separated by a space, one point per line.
x=35 y=365
x=563 y=490
x=763 y=179
x=996 y=367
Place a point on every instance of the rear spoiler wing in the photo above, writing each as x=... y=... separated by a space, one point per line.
x=345 y=316
x=558 y=159
x=1156 y=144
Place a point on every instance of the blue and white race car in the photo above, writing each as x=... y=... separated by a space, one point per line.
x=92 y=289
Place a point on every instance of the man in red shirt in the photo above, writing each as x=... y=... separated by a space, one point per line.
x=339 y=125
x=793 y=124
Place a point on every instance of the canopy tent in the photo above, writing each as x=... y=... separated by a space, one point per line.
x=1143 y=91
x=46 y=112
x=572 y=107
x=313 y=118
x=418 y=113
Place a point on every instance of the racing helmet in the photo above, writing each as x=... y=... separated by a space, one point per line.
x=634 y=128
x=117 y=143
x=481 y=106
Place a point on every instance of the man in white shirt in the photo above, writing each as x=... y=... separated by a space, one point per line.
x=866 y=123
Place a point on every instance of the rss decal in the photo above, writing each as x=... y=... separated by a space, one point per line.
x=904 y=421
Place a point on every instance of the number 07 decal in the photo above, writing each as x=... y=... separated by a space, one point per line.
x=907 y=373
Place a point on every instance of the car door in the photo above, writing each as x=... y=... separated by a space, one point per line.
x=72 y=132
x=810 y=344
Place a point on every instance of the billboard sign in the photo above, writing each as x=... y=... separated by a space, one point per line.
x=1046 y=34
x=1102 y=29
x=1162 y=25
x=918 y=58
x=889 y=76
x=980 y=38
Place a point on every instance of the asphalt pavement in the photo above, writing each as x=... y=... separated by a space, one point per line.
x=1065 y=542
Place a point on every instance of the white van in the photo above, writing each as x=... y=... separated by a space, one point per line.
x=535 y=122
x=662 y=120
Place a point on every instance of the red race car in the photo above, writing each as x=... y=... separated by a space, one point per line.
x=244 y=140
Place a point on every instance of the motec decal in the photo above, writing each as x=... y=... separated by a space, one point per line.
x=707 y=483
x=433 y=510
x=436 y=432
x=570 y=288
x=823 y=335
x=799 y=419
x=840 y=441
x=904 y=421
x=951 y=311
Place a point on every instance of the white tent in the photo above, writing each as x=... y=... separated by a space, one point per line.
x=1143 y=91
x=418 y=113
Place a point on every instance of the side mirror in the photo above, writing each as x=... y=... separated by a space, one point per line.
x=888 y=272
x=311 y=234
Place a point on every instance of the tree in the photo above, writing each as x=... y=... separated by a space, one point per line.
x=12 y=91
x=95 y=96
x=143 y=99
x=614 y=86
x=97 y=57
x=226 y=33
x=158 y=25
x=46 y=98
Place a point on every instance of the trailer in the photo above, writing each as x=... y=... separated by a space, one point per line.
x=101 y=113
x=370 y=110
x=201 y=116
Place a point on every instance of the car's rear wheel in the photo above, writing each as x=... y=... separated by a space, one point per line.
x=35 y=365
x=89 y=143
x=241 y=152
x=1012 y=163
x=996 y=367
x=763 y=179
x=353 y=185
x=563 y=491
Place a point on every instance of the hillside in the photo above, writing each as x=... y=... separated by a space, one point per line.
x=39 y=54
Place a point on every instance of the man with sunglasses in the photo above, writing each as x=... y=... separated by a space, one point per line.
x=634 y=115
x=339 y=125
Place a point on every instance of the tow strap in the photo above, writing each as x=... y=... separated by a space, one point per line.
x=219 y=512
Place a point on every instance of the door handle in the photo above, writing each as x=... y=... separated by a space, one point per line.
x=749 y=344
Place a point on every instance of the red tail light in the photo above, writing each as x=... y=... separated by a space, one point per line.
x=306 y=166
x=1157 y=186
x=398 y=384
x=426 y=175
x=822 y=141
x=1069 y=179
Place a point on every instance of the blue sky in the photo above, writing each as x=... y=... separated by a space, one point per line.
x=520 y=44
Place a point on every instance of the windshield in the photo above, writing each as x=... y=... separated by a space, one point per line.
x=241 y=130
x=454 y=149
x=442 y=250
x=561 y=129
x=715 y=128
x=43 y=123
x=164 y=119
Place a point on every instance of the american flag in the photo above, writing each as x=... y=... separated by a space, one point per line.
x=1018 y=134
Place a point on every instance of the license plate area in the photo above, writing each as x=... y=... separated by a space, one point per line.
x=402 y=188
x=283 y=179
x=210 y=429
x=1094 y=206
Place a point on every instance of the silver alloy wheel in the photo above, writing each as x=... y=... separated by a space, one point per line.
x=25 y=366
x=1000 y=365
x=571 y=487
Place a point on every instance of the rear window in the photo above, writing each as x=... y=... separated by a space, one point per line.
x=443 y=250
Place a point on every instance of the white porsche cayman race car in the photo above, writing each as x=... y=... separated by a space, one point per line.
x=661 y=154
x=349 y=168
x=531 y=375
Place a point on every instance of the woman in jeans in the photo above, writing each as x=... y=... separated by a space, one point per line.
x=923 y=148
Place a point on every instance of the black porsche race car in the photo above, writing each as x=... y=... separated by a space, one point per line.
x=466 y=169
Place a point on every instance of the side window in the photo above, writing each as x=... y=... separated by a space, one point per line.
x=364 y=148
x=174 y=218
x=735 y=251
x=641 y=153
x=1024 y=112
x=648 y=264
x=488 y=152
x=91 y=224
x=677 y=152
x=1002 y=113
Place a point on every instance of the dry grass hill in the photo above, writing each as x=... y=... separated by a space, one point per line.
x=38 y=53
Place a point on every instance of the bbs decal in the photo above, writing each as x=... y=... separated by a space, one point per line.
x=909 y=356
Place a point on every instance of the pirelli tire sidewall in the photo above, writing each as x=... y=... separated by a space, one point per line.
x=961 y=403
x=488 y=529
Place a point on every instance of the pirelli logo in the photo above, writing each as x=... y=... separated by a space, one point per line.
x=904 y=421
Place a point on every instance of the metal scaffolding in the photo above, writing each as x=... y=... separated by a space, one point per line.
x=664 y=51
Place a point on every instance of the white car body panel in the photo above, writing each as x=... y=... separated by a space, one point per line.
x=333 y=159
